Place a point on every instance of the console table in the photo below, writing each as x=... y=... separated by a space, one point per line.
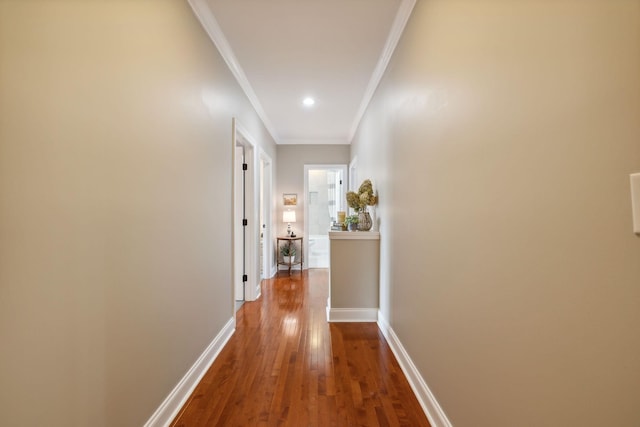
x=291 y=241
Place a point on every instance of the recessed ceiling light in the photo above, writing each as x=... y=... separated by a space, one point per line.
x=308 y=101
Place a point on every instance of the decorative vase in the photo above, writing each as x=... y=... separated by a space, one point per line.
x=289 y=259
x=352 y=226
x=364 y=221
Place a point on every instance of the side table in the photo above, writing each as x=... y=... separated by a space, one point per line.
x=291 y=241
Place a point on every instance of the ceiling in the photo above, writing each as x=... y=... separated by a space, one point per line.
x=282 y=51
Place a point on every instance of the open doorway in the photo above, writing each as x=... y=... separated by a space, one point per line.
x=325 y=193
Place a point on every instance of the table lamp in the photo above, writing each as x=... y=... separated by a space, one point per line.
x=289 y=217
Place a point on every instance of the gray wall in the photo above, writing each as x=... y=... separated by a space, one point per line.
x=115 y=206
x=290 y=175
x=501 y=140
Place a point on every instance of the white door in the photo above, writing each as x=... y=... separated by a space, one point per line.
x=240 y=237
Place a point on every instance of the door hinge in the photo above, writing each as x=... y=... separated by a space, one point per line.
x=244 y=278
x=244 y=166
x=245 y=222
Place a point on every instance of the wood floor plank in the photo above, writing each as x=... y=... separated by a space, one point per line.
x=286 y=366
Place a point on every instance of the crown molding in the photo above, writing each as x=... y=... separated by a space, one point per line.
x=313 y=141
x=400 y=21
x=213 y=30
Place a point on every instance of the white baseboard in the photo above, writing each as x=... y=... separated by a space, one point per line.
x=427 y=400
x=352 y=314
x=167 y=411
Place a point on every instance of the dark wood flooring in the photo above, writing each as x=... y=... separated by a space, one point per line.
x=286 y=366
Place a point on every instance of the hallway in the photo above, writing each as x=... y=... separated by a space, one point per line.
x=285 y=365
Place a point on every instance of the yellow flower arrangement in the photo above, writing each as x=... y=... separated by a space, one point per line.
x=363 y=198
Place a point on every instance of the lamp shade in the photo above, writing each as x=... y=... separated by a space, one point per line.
x=289 y=216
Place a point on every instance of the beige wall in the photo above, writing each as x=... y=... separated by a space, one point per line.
x=501 y=142
x=353 y=276
x=290 y=175
x=115 y=170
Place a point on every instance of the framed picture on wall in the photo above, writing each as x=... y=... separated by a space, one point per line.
x=290 y=199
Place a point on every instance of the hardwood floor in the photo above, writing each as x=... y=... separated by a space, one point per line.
x=286 y=366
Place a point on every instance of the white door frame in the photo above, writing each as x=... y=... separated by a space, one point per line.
x=240 y=137
x=268 y=207
x=306 y=195
x=353 y=174
x=237 y=212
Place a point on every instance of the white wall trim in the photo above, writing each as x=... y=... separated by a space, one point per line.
x=352 y=314
x=212 y=28
x=313 y=141
x=400 y=21
x=430 y=405
x=164 y=415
